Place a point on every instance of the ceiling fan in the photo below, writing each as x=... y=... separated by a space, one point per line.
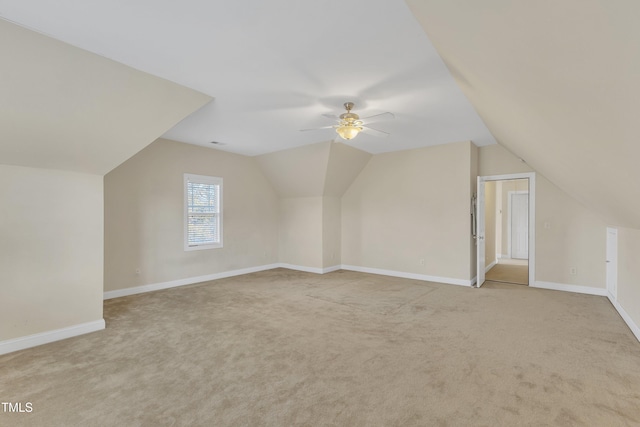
x=350 y=124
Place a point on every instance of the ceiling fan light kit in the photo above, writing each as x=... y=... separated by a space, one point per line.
x=348 y=131
x=350 y=125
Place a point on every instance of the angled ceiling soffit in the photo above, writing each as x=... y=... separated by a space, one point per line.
x=65 y=108
x=556 y=84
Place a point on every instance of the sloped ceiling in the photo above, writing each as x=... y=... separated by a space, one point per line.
x=275 y=66
x=345 y=164
x=65 y=108
x=321 y=169
x=297 y=172
x=557 y=83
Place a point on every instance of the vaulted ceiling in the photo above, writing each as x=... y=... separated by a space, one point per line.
x=275 y=67
x=557 y=83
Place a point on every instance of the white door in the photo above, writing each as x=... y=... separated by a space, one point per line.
x=480 y=233
x=519 y=214
x=612 y=262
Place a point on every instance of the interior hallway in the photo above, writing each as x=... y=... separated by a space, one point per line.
x=515 y=271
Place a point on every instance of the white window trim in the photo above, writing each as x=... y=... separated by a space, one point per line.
x=205 y=180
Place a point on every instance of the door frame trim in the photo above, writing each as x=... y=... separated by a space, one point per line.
x=531 y=176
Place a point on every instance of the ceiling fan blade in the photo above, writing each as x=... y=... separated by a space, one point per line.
x=374 y=132
x=323 y=127
x=378 y=117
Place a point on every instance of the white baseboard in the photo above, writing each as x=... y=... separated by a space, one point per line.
x=34 y=340
x=570 y=288
x=490 y=266
x=332 y=268
x=625 y=316
x=199 y=279
x=188 y=281
x=447 y=280
x=193 y=280
x=306 y=269
x=315 y=270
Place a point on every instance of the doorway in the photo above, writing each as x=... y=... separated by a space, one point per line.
x=506 y=229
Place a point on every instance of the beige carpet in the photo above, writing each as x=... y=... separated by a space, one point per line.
x=284 y=348
x=518 y=274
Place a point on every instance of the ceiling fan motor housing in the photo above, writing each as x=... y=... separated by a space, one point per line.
x=350 y=117
x=350 y=124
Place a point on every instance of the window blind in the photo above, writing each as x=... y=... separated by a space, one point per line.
x=203 y=213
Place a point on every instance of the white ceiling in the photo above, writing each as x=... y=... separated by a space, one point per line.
x=274 y=67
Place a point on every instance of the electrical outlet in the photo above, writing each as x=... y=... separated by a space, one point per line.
x=421 y=261
x=547 y=225
x=137 y=271
x=573 y=271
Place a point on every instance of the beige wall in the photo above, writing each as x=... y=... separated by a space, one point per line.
x=495 y=160
x=300 y=235
x=310 y=232
x=411 y=205
x=310 y=181
x=144 y=218
x=573 y=237
x=51 y=250
x=403 y=207
x=331 y=231
x=629 y=272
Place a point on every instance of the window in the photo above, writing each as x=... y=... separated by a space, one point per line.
x=202 y=212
